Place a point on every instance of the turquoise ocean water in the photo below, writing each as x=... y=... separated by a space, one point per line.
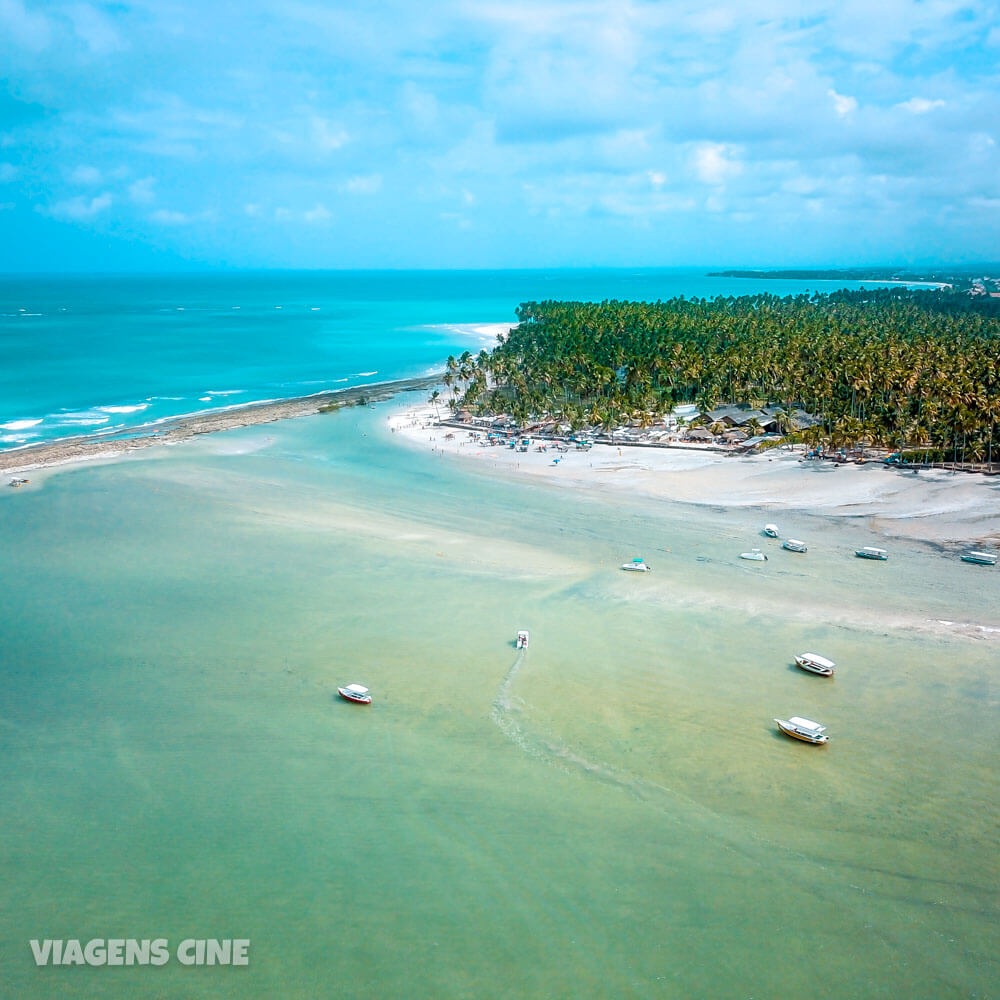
x=610 y=815
x=103 y=355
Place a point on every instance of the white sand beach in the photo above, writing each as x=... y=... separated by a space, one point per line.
x=937 y=506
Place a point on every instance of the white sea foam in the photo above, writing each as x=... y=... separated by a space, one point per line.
x=20 y=425
x=362 y=374
x=81 y=420
x=123 y=409
x=225 y=392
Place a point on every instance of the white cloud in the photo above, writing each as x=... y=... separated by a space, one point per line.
x=95 y=29
x=713 y=163
x=841 y=104
x=318 y=213
x=80 y=207
x=27 y=28
x=168 y=217
x=141 y=191
x=87 y=175
x=362 y=184
x=920 y=105
x=326 y=136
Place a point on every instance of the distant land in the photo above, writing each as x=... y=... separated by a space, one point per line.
x=963 y=278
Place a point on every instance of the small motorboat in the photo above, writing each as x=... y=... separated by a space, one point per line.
x=356 y=693
x=871 y=552
x=815 y=664
x=636 y=566
x=17 y=483
x=982 y=558
x=803 y=729
x=522 y=639
x=794 y=545
x=754 y=554
x=771 y=530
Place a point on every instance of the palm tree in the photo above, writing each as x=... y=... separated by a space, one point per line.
x=433 y=400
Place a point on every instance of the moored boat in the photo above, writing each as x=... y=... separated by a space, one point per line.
x=771 y=530
x=356 y=693
x=871 y=552
x=794 y=545
x=815 y=664
x=803 y=729
x=637 y=565
x=16 y=483
x=982 y=558
x=755 y=555
x=522 y=639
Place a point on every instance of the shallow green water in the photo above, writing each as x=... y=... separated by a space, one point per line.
x=612 y=814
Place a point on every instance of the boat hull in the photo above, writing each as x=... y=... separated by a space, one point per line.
x=357 y=699
x=814 y=668
x=802 y=737
x=980 y=561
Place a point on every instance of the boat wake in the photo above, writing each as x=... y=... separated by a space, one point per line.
x=505 y=710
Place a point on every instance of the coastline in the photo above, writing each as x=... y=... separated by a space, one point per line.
x=177 y=429
x=936 y=507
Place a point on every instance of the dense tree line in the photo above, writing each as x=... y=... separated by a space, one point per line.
x=891 y=367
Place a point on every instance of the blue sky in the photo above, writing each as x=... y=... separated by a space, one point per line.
x=168 y=133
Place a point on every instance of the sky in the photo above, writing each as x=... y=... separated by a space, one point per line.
x=170 y=134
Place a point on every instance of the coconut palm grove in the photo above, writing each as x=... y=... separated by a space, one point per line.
x=917 y=371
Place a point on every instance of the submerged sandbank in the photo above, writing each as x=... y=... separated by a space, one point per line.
x=80 y=448
x=935 y=506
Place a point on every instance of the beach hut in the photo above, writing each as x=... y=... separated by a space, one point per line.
x=699 y=434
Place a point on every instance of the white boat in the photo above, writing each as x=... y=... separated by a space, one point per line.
x=771 y=530
x=522 y=639
x=794 y=545
x=815 y=664
x=754 y=554
x=803 y=729
x=356 y=693
x=983 y=558
x=636 y=566
x=870 y=552
x=16 y=483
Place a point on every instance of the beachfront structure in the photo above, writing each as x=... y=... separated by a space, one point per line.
x=767 y=418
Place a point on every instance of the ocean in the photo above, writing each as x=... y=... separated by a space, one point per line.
x=104 y=355
x=610 y=814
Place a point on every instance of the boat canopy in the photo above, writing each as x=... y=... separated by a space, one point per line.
x=813 y=727
x=356 y=689
x=872 y=548
x=816 y=658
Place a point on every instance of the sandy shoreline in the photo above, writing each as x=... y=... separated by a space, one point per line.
x=83 y=448
x=934 y=506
